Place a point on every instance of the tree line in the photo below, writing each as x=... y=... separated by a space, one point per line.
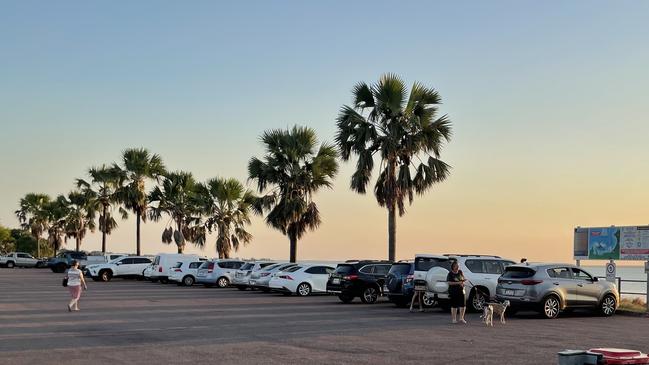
x=386 y=122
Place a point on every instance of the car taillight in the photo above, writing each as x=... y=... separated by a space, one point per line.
x=159 y=268
x=178 y=270
x=531 y=282
x=409 y=278
x=350 y=277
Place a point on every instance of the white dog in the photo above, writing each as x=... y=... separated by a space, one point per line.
x=498 y=309
x=488 y=315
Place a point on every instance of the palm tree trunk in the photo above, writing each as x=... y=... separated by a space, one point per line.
x=103 y=232
x=293 y=247
x=392 y=231
x=78 y=242
x=137 y=232
x=38 y=247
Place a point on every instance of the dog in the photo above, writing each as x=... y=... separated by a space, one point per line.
x=499 y=310
x=488 y=315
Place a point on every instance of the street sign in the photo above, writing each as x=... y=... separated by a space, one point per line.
x=610 y=272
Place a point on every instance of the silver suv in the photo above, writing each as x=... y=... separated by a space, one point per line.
x=551 y=288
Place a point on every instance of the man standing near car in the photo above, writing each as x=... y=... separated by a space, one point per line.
x=455 y=279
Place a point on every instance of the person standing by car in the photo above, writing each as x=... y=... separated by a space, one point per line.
x=75 y=280
x=455 y=279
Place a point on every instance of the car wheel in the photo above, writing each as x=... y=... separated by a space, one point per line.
x=241 y=287
x=477 y=300
x=105 y=275
x=370 y=295
x=345 y=299
x=223 y=282
x=303 y=290
x=607 y=307
x=551 y=307
x=10 y=265
x=429 y=301
x=188 y=280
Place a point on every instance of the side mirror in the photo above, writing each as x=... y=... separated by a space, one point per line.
x=118 y=263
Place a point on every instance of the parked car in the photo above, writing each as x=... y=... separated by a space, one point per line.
x=242 y=275
x=125 y=266
x=399 y=285
x=261 y=279
x=63 y=259
x=19 y=259
x=303 y=279
x=185 y=272
x=552 y=288
x=217 y=272
x=480 y=271
x=364 y=279
x=163 y=262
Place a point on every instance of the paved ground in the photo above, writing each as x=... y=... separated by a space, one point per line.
x=145 y=323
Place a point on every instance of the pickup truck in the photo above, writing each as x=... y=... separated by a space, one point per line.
x=18 y=259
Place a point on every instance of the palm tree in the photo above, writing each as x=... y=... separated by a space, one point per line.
x=174 y=197
x=227 y=206
x=105 y=182
x=57 y=212
x=33 y=217
x=139 y=166
x=293 y=169
x=405 y=131
x=80 y=215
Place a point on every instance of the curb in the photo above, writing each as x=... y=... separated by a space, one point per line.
x=632 y=314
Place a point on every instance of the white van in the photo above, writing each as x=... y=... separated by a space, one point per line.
x=163 y=262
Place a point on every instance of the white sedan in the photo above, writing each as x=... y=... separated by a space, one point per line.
x=302 y=280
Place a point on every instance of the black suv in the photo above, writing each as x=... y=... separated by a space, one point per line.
x=364 y=279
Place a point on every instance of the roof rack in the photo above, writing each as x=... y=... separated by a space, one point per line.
x=470 y=255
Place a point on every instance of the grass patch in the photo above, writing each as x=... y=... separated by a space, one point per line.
x=637 y=305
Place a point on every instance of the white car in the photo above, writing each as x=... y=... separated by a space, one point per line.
x=184 y=273
x=165 y=261
x=302 y=280
x=125 y=266
x=218 y=272
x=241 y=277
x=20 y=259
x=480 y=271
x=260 y=279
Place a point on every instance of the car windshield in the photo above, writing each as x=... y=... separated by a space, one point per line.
x=517 y=272
x=345 y=269
x=270 y=268
x=400 y=269
x=247 y=266
x=427 y=263
x=293 y=269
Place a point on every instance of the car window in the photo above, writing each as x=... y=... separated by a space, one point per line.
x=492 y=267
x=330 y=270
x=580 y=274
x=262 y=265
x=141 y=260
x=247 y=266
x=78 y=256
x=559 y=273
x=23 y=255
x=475 y=266
x=427 y=263
x=177 y=265
x=367 y=269
x=271 y=267
x=293 y=269
x=344 y=269
x=381 y=269
x=400 y=269
x=156 y=261
x=517 y=272
x=195 y=265
x=236 y=264
x=284 y=267
x=127 y=261
x=224 y=265
x=314 y=270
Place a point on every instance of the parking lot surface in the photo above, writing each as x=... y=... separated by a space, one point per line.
x=138 y=322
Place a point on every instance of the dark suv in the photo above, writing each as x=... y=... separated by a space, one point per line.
x=364 y=279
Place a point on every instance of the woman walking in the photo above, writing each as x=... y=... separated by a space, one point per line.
x=75 y=281
x=455 y=279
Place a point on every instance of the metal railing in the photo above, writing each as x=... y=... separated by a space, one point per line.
x=619 y=285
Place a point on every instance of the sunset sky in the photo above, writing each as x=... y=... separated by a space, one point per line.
x=548 y=102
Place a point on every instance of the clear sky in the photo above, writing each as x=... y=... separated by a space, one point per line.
x=547 y=99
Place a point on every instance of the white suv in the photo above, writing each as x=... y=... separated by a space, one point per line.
x=184 y=273
x=125 y=266
x=480 y=271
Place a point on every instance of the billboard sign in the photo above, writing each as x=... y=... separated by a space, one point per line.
x=612 y=243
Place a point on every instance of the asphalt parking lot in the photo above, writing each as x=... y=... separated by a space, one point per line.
x=137 y=322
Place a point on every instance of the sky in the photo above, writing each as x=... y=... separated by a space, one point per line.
x=547 y=100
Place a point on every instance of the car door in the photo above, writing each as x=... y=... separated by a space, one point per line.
x=564 y=285
x=493 y=269
x=123 y=267
x=587 y=289
x=379 y=273
x=22 y=259
x=140 y=263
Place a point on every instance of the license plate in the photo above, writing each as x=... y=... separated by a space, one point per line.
x=509 y=292
x=335 y=281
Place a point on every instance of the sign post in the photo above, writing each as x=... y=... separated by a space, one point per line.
x=646 y=270
x=610 y=272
